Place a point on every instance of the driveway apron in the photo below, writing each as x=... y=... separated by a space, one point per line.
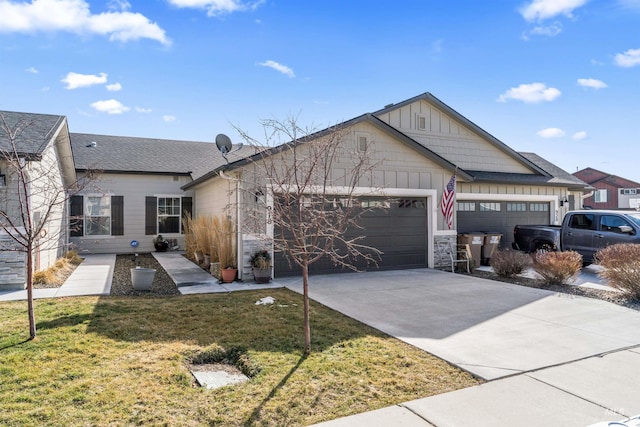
x=491 y=329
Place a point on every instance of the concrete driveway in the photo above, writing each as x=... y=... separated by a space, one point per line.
x=551 y=359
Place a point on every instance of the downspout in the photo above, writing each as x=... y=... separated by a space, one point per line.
x=585 y=196
x=239 y=248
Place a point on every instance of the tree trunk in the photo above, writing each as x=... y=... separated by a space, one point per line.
x=307 y=325
x=30 y=309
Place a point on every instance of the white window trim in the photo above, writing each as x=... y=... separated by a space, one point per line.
x=423 y=117
x=168 y=196
x=85 y=197
x=599 y=192
x=367 y=142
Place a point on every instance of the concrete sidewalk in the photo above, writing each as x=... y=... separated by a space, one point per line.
x=92 y=277
x=552 y=359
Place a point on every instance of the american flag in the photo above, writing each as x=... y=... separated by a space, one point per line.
x=447 y=201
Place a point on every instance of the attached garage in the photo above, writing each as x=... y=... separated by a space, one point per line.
x=500 y=216
x=398 y=228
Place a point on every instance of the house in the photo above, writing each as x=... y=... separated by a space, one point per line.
x=41 y=143
x=421 y=143
x=137 y=190
x=610 y=191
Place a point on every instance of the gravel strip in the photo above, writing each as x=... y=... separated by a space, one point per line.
x=121 y=285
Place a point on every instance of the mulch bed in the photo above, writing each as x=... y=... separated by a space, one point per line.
x=121 y=285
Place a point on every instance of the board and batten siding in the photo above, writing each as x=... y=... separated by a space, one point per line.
x=450 y=139
x=134 y=189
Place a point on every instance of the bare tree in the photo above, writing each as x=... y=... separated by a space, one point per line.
x=33 y=211
x=311 y=187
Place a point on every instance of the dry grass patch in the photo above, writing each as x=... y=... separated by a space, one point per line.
x=125 y=361
x=56 y=275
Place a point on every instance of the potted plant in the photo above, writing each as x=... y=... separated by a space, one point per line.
x=160 y=243
x=261 y=265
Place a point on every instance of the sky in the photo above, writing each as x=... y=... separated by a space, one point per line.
x=560 y=78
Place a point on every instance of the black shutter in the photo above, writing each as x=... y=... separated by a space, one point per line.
x=187 y=209
x=150 y=215
x=117 y=215
x=76 y=222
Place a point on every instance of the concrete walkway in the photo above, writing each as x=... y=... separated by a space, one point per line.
x=551 y=359
x=92 y=277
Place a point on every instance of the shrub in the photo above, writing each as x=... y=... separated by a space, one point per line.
x=557 y=268
x=621 y=263
x=508 y=263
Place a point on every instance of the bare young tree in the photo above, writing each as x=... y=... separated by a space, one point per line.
x=312 y=185
x=33 y=212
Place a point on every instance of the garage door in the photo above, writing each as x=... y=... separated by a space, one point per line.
x=398 y=229
x=500 y=217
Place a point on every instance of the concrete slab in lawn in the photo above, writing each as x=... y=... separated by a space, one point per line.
x=516 y=401
x=217 y=379
x=489 y=328
x=392 y=416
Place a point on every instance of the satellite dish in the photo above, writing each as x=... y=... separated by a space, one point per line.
x=223 y=142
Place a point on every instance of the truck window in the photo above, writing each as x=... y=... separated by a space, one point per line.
x=583 y=221
x=614 y=224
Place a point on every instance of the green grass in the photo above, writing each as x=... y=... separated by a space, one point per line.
x=123 y=361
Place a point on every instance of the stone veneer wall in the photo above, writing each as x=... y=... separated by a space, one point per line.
x=13 y=265
x=442 y=260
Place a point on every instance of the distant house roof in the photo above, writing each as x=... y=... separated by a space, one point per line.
x=119 y=154
x=33 y=131
x=594 y=176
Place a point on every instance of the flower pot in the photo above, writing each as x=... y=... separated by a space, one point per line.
x=161 y=246
x=262 y=275
x=142 y=278
x=229 y=275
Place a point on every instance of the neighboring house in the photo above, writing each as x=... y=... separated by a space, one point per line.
x=421 y=142
x=610 y=191
x=136 y=193
x=42 y=141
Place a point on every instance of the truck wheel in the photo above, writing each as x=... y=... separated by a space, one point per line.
x=542 y=247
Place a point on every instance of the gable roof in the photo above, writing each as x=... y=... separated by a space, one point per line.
x=428 y=97
x=120 y=154
x=593 y=176
x=35 y=131
x=368 y=118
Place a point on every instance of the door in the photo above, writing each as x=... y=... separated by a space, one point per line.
x=578 y=234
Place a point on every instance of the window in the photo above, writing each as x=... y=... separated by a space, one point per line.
x=466 y=206
x=169 y=213
x=362 y=142
x=582 y=221
x=421 y=122
x=489 y=207
x=628 y=191
x=615 y=224
x=516 y=207
x=3 y=181
x=600 y=196
x=96 y=215
x=539 y=207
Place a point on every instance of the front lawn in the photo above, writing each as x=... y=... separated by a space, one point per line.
x=122 y=361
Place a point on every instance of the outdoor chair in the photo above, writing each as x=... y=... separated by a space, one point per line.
x=457 y=254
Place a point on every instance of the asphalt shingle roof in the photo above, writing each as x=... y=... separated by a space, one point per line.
x=121 y=154
x=34 y=131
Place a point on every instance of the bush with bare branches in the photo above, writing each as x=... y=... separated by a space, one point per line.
x=558 y=268
x=621 y=264
x=508 y=263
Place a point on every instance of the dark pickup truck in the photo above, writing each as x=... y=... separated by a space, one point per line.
x=582 y=231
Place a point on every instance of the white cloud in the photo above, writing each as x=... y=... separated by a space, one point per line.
x=530 y=93
x=75 y=80
x=548 y=30
x=278 y=67
x=592 y=83
x=143 y=110
x=219 y=7
x=550 y=133
x=539 y=10
x=110 y=106
x=168 y=119
x=31 y=70
x=75 y=17
x=630 y=58
x=579 y=136
x=114 y=87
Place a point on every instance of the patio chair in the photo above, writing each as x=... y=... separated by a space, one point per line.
x=458 y=254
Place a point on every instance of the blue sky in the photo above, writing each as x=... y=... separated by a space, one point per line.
x=560 y=78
